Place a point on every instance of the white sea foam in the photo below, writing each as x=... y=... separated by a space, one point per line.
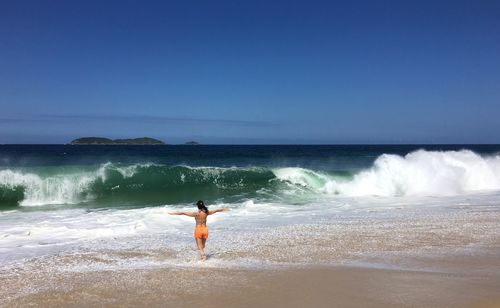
x=28 y=231
x=125 y=171
x=302 y=177
x=420 y=173
x=63 y=189
x=26 y=234
x=66 y=188
x=251 y=230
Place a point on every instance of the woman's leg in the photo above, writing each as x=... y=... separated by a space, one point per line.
x=201 y=248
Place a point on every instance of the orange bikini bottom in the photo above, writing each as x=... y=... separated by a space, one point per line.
x=201 y=232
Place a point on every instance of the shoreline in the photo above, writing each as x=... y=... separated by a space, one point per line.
x=461 y=280
x=430 y=256
x=427 y=257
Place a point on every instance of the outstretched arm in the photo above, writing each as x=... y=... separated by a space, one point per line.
x=190 y=214
x=210 y=212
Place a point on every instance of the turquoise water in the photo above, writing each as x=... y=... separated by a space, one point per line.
x=124 y=176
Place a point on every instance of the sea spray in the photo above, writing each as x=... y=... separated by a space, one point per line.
x=34 y=190
x=423 y=173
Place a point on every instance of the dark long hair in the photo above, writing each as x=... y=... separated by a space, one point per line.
x=201 y=206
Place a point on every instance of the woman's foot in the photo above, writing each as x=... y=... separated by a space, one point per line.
x=202 y=255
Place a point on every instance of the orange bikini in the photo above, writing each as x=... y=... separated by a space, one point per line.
x=201 y=232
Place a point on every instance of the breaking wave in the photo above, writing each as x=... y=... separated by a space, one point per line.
x=420 y=173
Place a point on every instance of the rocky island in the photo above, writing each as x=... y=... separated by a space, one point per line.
x=107 y=141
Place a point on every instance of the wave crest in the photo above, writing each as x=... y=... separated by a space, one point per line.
x=135 y=184
x=423 y=173
x=420 y=173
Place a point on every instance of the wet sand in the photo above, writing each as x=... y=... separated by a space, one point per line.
x=460 y=281
x=435 y=259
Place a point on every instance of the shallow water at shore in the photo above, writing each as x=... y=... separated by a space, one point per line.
x=420 y=211
x=250 y=236
x=392 y=255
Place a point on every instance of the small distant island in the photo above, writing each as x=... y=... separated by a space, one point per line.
x=107 y=141
x=191 y=143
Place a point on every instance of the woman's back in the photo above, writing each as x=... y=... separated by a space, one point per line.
x=201 y=218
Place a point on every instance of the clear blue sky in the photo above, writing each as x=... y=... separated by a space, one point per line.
x=251 y=71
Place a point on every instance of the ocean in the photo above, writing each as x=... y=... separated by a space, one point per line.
x=290 y=204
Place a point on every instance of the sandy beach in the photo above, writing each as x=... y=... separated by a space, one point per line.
x=411 y=258
x=465 y=281
x=457 y=277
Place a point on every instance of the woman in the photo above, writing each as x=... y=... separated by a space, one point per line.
x=201 y=230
